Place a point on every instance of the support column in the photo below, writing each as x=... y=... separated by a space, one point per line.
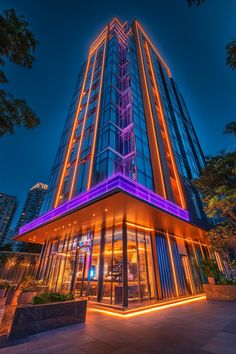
x=101 y=263
x=125 y=264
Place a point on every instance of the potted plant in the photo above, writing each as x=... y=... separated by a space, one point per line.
x=211 y=270
x=28 y=290
x=4 y=285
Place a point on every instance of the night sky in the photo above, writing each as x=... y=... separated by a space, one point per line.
x=192 y=41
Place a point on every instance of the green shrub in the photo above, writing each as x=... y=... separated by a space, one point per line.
x=28 y=284
x=4 y=284
x=211 y=269
x=51 y=297
x=224 y=281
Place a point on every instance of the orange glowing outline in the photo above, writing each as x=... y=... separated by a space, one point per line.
x=97 y=114
x=82 y=130
x=166 y=130
x=150 y=110
x=219 y=262
x=72 y=134
x=203 y=256
x=155 y=50
x=172 y=264
x=143 y=310
x=186 y=261
x=115 y=19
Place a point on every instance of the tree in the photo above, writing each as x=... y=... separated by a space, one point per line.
x=230 y=128
x=17 y=45
x=231 y=54
x=195 y=2
x=217 y=185
x=230 y=47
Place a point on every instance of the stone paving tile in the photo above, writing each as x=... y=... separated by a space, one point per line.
x=197 y=328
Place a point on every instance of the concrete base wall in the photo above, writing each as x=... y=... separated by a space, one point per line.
x=32 y=319
x=220 y=292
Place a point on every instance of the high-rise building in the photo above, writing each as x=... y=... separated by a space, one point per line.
x=8 y=205
x=33 y=204
x=121 y=221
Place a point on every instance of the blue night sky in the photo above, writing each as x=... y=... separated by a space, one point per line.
x=192 y=41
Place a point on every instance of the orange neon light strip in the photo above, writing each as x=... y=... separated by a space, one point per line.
x=82 y=130
x=98 y=44
x=219 y=262
x=94 y=45
x=203 y=256
x=172 y=264
x=142 y=311
x=150 y=110
x=75 y=122
x=189 y=274
x=72 y=135
x=154 y=49
x=97 y=113
x=152 y=229
x=166 y=130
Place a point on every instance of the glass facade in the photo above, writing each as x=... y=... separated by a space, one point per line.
x=127 y=120
x=107 y=126
x=114 y=264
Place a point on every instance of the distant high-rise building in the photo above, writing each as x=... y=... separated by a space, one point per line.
x=122 y=222
x=8 y=205
x=32 y=204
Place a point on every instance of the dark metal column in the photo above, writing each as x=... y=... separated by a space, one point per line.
x=101 y=267
x=125 y=265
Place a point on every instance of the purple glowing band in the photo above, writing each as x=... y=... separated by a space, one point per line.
x=117 y=181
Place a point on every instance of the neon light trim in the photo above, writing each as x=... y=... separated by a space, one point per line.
x=97 y=113
x=75 y=172
x=166 y=129
x=151 y=113
x=118 y=182
x=143 y=310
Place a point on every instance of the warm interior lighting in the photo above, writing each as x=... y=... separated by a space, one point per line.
x=143 y=310
x=172 y=264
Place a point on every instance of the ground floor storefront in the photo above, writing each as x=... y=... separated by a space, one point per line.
x=120 y=244
x=123 y=263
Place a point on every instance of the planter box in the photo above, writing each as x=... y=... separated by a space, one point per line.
x=3 y=292
x=26 y=297
x=220 y=292
x=31 y=319
x=11 y=297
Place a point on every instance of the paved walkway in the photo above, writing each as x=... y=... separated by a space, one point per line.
x=200 y=327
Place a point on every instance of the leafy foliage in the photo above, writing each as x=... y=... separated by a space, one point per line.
x=230 y=128
x=217 y=185
x=4 y=284
x=195 y=2
x=210 y=268
x=52 y=297
x=231 y=54
x=230 y=47
x=30 y=284
x=17 y=44
x=223 y=236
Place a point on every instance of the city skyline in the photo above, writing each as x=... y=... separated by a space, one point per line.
x=47 y=109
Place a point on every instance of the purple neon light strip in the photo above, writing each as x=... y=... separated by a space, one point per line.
x=117 y=181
